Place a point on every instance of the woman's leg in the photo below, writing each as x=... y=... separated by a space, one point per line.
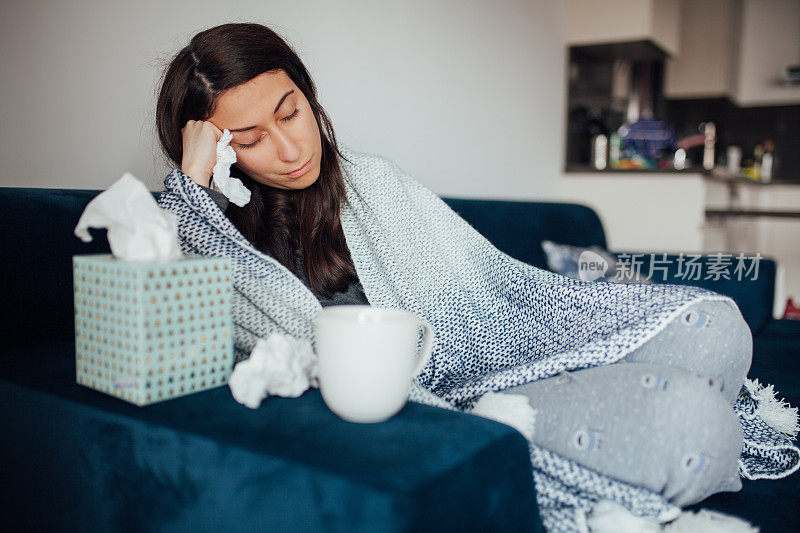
x=654 y=426
x=710 y=338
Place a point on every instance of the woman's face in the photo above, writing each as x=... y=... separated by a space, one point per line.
x=274 y=130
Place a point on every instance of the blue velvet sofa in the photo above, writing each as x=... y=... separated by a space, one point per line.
x=77 y=460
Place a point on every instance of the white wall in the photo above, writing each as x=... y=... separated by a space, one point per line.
x=465 y=95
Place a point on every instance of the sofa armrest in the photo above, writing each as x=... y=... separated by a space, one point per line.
x=748 y=279
x=203 y=462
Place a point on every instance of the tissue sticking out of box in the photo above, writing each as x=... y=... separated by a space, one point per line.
x=233 y=188
x=138 y=229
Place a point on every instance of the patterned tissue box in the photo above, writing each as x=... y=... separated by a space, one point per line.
x=150 y=331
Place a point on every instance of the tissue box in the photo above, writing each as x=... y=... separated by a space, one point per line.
x=150 y=331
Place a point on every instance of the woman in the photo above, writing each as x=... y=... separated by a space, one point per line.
x=659 y=418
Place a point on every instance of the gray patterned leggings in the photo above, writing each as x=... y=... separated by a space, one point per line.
x=662 y=417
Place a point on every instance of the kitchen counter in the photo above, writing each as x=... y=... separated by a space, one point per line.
x=721 y=175
x=718 y=174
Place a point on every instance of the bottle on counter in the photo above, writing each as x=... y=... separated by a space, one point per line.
x=758 y=154
x=614 y=149
x=767 y=161
x=766 y=167
x=600 y=152
x=734 y=156
x=709 y=131
x=679 y=159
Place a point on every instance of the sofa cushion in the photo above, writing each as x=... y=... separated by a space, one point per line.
x=566 y=260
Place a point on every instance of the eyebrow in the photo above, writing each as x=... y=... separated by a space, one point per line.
x=280 y=103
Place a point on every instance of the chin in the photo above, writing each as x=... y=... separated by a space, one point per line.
x=310 y=177
x=304 y=181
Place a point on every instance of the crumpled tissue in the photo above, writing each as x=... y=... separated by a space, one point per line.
x=138 y=229
x=280 y=365
x=233 y=188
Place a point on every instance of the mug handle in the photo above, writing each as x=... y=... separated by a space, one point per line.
x=428 y=337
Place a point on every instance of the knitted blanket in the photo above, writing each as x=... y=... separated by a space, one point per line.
x=499 y=322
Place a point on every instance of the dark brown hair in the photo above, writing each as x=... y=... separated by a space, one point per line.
x=279 y=222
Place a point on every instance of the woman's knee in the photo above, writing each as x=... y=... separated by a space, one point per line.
x=696 y=434
x=707 y=438
x=735 y=341
x=710 y=338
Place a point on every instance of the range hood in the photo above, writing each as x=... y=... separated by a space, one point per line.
x=638 y=73
x=643 y=50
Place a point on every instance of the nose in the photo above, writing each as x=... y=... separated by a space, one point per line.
x=287 y=148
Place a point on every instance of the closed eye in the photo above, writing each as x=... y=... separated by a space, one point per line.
x=284 y=119
x=251 y=144
x=290 y=117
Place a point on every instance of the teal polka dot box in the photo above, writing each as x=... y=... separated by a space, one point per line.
x=150 y=331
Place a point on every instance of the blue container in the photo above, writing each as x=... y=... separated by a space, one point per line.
x=646 y=139
x=150 y=331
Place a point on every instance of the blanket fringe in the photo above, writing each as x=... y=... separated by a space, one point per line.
x=778 y=414
x=511 y=409
x=707 y=521
x=610 y=517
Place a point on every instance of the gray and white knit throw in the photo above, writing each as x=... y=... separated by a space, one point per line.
x=499 y=322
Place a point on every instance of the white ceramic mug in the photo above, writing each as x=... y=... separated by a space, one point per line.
x=367 y=359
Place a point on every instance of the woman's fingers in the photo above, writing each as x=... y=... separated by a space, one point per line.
x=199 y=150
x=217 y=131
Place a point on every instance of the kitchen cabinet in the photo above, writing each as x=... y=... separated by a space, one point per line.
x=736 y=49
x=770 y=40
x=707 y=64
x=617 y=21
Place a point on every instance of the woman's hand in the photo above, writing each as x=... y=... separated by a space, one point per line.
x=200 y=140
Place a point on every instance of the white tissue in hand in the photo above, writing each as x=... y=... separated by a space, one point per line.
x=233 y=188
x=138 y=229
x=280 y=365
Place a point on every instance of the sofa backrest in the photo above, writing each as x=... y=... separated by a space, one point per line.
x=38 y=243
x=518 y=227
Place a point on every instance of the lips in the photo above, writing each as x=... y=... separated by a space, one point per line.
x=300 y=171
